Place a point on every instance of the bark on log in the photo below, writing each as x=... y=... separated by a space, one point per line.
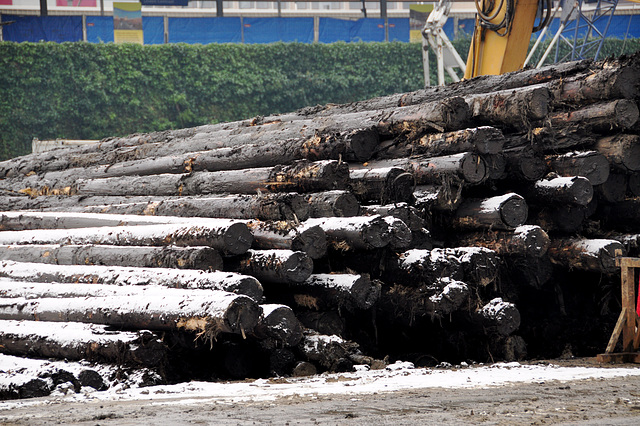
x=597 y=255
x=299 y=177
x=480 y=266
x=277 y=327
x=289 y=236
x=334 y=291
x=406 y=213
x=208 y=312
x=446 y=197
x=563 y=218
x=505 y=212
x=525 y=240
x=332 y=203
x=331 y=353
x=385 y=185
x=229 y=237
x=590 y=164
x=77 y=341
x=622 y=151
x=614 y=190
x=513 y=108
x=463 y=167
x=524 y=164
x=323 y=322
x=480 y=140
x=496 y=166
x=634 y=184
x=500 y=317
x=272 y=266
x=204 y=258
x=601 y=117
x=401 y=235
x=354 y=233
x=562 y=190
x=416 y=267
x=120 y=276
x=278 y=206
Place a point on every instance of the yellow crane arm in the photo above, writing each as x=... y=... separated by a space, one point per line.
x=501 y=37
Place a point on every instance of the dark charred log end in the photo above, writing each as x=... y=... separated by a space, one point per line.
x=536 y=240
x=514 y=211
x=248 y=286
x=538 y=107
x=489 y=140
x=365 y=292
x=280 y=323
x=298 y=267
x=474 y=169
x=362 y=144
x=312 y=241
x=496 y=165
x=581 y=191
x=599 y=170
x=608 y=254
x=634 y=184
x=626 y=112
x=500 y=317
x=627 y=83
x=346 y=205
x=401 y=235
x=377 y=234
x=614 y=190
x=237 y=239
x=92 y=379
x=532 y=168
x=456 y=113
x=401 y=188
x=240 y=317
x=295 y=207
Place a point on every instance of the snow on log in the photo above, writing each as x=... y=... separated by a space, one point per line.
x=480 y=265
x=362 y=232
x=418 y=266
x=120 y=276
x=500 y=317
x=386 y=185
x=505 y=212
x=278 y=326
x=445 y=197
x=525 y=240
x=288 y=235
x=205 y=258
x=227 y=236
x=401 y=235
x=322 y=292
x=78 y=341
x=209 y=312
x=590 y=164
x=406 y=213
x=570 y=189
x=598 y=255
x=272 y=266
x=331 y=203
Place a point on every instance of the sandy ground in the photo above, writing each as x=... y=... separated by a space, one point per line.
x=597 y=401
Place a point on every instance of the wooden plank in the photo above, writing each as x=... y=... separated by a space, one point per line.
x=629 y=307
x=629 y=262
x=619 y=358
x=616 y=332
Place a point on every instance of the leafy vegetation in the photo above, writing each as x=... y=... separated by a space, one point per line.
x=92 y=91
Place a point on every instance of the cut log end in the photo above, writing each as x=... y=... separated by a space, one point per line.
x=627 y=113
x=312 y=241
x=362 y=144
x=474 y=169
x=298 y=267
x=514 y=211
x=237 y=238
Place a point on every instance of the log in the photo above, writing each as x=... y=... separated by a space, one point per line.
x=77 y=341
x=331 y=203
x=601 y=117
x=277 y=327
x=590 y=164
x=534 y=272
x=562 y=218
x=417 y=267
x=480 y=266
x=496 y=166
x=301 y=176
x=524 y=164
x=140 y=256
x=614 y=190
x=622 y=216
x=354 y=233
x=209 y=312
x=406 y=213
x=309 y=239
x=331 y=353
x=120 y=276
x=622 y=151
x=505 y=212
x=479 y=140
x=272 y=266
x=464 y=167
x=323 y=322
x=385 y=185
x=569 y=190
x=513 y=108
x=596 y=255
x=499 y=317
x=335 y=291
x=526 y=240
x=446 y=197
x=228 y=236
x=274 y=206
x=401 y=235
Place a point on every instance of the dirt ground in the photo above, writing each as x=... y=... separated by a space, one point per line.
x=582 y=402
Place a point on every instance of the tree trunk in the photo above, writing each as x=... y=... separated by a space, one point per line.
x=229 y=237
x=590 y=164
x=622 y=151
x=272 y=266
x=601 y=117
x=309 y=239
x=524 y=164
x=416 y=267
x=597 y=255
x=437 y=197
x=204 y=258
x=277 y=327
x=93 y=343
x=525 y=240
x=513 y=108
x=562 y=190
x=614 y=190
x=208 y=312
x=386 y=185
x=332 y=203
x=321 y=292
x=120 y=276
x=505 y=212
x=354 y=233
x=500 y=317
x=480 y=140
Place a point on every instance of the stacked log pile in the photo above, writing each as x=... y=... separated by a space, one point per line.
x=479 y=221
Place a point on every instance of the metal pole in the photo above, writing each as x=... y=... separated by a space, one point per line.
x=383 y=15
x=219 y=9
x=84 y=27
x=43 y=8
x=279 y=9
x=101 y=7
x=165 y=20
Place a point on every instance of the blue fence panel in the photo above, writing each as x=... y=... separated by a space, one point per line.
x=366 y=29
x=271 y=30
x=42 y=28
x=204 y=30
x=399 y=29
x=99 y=29
x=153 y=29
x=332 y=30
